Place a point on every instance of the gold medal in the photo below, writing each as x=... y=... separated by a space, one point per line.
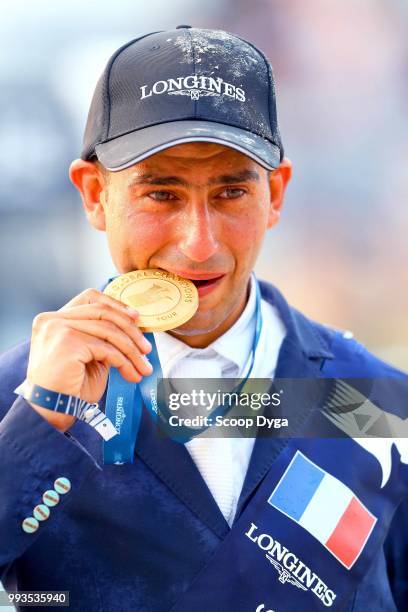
x=163 y=300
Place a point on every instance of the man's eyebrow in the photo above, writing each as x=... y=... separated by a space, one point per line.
x=236 y=177
x=151 y=179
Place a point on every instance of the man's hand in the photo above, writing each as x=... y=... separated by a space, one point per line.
x=73 y=348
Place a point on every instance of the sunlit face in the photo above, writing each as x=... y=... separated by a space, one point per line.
x=195 y=209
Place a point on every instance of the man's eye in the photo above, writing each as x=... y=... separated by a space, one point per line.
x=231 y=193
x=161 y=196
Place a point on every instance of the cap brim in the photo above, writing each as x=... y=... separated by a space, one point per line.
x=132 y=148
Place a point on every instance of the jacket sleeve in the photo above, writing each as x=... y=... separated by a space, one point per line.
x=33 y=454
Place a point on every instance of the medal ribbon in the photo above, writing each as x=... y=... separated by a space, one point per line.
x=124 y=401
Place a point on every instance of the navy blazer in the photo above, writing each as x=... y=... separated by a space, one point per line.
x=134 y=537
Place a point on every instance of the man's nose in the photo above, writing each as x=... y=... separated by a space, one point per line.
x=198 y=241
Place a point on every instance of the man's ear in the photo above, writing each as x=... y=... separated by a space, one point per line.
x=278 y=180
x=90 y=181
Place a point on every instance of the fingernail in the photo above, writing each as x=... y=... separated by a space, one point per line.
x=147 y=362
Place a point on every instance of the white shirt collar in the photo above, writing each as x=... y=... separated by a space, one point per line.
x=240 y=334
x=172 y=349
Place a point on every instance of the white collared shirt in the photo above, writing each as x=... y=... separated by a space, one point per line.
x=223 y=462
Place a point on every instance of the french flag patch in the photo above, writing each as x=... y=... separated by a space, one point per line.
x=325 y=507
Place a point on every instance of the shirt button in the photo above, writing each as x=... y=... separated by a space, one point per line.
x=62 y=485
x=41 y=512
x=50 y=498
x=30 y=524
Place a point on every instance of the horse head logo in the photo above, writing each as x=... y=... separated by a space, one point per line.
x=154 y=293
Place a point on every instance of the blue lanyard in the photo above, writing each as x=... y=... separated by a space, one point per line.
x=124 y=402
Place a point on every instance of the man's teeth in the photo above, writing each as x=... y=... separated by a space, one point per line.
x=202 y=282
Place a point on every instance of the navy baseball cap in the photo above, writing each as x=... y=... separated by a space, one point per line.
x=183 y=85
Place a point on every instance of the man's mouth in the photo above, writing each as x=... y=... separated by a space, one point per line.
x=205 y=286
x=200 y=282
x=205 y=282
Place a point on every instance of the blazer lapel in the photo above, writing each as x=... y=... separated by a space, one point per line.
x=301 y=355
x=172 y=463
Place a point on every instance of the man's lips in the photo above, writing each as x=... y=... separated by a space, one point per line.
x=197 y=275
x=204 y=281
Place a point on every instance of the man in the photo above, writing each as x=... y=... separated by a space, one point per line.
x=183 y=168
